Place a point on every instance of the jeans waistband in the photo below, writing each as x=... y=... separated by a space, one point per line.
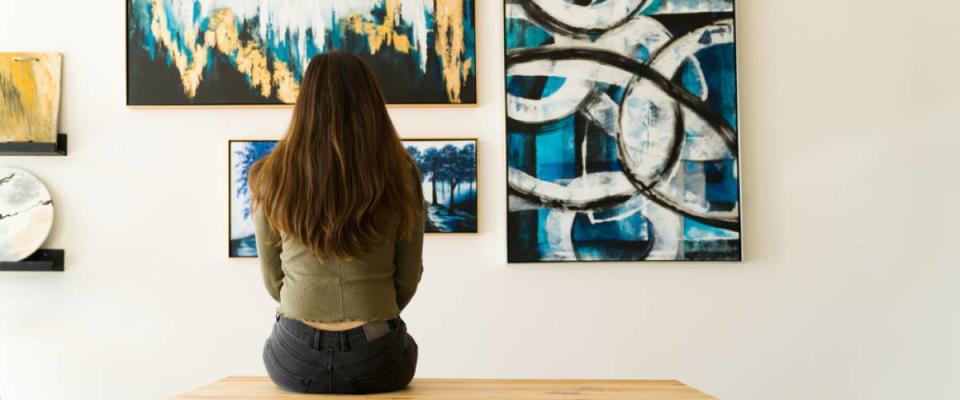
x=343 y=340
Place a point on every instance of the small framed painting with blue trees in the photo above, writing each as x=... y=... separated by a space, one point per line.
x=448 y=173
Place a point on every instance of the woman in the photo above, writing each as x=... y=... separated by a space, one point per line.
x=339 y=216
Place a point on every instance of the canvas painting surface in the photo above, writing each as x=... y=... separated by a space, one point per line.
x=29 y=97
x=622 y=131
x=242 y=156
x=228 y=52
x=26 y=214
x=448 y=169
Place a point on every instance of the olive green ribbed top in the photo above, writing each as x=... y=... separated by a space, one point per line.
x=372 y=286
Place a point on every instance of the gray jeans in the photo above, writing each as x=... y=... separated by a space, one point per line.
x=377 y=357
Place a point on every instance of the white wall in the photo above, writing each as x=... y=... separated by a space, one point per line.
x=850 y=289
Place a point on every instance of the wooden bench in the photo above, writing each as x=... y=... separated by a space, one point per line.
x=249 y=387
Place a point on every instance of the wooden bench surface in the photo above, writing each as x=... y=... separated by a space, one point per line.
x=250 y=387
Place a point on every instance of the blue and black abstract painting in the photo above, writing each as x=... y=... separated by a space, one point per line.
x=243 y=153
x=622 y=133
x=448 y=170
x=225 y=52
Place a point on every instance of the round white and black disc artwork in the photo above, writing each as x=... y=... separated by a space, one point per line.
x=26 y=214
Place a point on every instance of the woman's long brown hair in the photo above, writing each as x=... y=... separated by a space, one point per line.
x=339 y=164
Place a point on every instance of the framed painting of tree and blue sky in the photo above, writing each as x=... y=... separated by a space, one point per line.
x=448 y=171
x=251 y=52
x=622 y=133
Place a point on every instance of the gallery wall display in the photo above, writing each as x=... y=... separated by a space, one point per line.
x=622 y=131
x=26 y=214
x=448 y=170
x=29 y=97
x=232 y=52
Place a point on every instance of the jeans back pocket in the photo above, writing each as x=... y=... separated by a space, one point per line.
x=395 y=376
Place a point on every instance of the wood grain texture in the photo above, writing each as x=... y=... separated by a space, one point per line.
x=250 y=387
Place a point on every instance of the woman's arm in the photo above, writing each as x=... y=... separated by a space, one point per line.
x=269 y=253
x=408 y=259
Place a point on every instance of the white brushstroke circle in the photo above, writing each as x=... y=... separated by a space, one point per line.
x=26 y=214
x=602 y=15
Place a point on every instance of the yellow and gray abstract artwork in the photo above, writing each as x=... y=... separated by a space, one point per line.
x=29 y=97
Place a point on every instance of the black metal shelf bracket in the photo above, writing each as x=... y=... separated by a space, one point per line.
x=35 y=149
x=50 y=260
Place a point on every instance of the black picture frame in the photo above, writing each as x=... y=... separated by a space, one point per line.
x=476 y=178
x=506 y=65
x=127 y=79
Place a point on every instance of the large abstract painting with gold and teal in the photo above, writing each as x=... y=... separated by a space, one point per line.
x=231 y=52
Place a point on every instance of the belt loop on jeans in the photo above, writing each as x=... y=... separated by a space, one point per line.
x=344 y=341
